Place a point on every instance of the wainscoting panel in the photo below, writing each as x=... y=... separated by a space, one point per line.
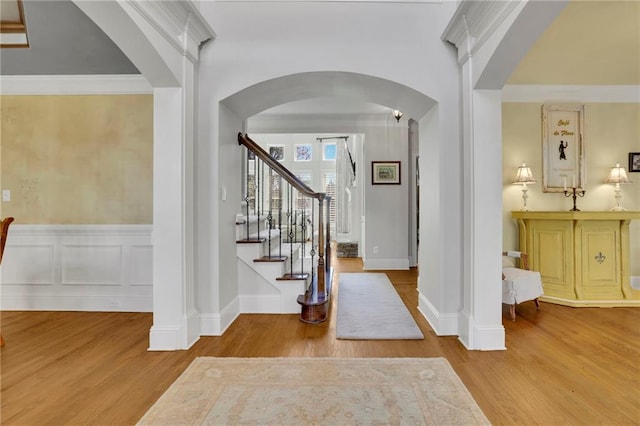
x=39 y=259
x=92 y=264
x=78 y=268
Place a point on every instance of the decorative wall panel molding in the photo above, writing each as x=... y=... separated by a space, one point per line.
x=531 y=93
x=75 y=85
x=78 y=268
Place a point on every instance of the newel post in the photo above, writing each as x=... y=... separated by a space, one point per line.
x=322 y=288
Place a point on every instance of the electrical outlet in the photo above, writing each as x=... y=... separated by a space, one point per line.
x=375 y=249
x=6 y=195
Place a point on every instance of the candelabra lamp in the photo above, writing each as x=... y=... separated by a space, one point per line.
x=617 y=175
x=575 y=193
x=524 y=177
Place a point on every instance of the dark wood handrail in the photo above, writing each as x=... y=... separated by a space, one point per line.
x=315 y=301
x=279 y=168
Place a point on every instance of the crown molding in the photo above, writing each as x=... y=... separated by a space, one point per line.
x=179 y=22
x=473 y=23
x=566 y=93
x=74 y=85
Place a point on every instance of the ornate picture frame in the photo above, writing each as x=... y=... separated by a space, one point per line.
x=385 y=173
x=563 y=150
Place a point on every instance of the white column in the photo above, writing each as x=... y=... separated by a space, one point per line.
x=168 y=331
x=176 y=321
x=480 y=318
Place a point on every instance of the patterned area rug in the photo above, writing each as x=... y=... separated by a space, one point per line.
x=370 y=308
x=316 y=391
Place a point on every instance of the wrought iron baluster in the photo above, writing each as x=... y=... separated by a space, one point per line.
x=270 y=213
x=280 y=216
x=294 y=230
x=312 y=252
x=246 y=195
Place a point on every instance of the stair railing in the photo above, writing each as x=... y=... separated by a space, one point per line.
x=315 y=301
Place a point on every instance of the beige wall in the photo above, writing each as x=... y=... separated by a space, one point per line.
x=611 y=131
x=78 y=159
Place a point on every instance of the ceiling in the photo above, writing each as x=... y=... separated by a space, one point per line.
x=62 y=41
x=590 y=43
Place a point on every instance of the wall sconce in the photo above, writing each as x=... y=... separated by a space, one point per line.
x=617 y=175
x=524 y=177
x=397 y=115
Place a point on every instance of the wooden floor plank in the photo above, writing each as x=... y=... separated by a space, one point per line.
x=563 y=365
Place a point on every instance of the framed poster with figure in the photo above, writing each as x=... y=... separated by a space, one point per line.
x=563 y=162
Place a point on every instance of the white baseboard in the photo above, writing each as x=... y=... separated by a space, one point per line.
x=260 y=304
x=480 y=338
x=99 y=303
x=214 y=324
x=164 y=338
x=385 y=264
x=488 y=339
x=441 y=323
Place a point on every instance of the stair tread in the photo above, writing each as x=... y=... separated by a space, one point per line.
x=292 y=277
x=251 y=241
x=271 y=258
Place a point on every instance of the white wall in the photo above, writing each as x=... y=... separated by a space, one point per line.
x=337 y=56
x=386 y=207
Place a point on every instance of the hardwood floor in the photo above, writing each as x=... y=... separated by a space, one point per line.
x=563 y=365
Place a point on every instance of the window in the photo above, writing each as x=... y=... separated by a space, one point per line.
x=329 y=152
x=302 y=202
x=329 y=187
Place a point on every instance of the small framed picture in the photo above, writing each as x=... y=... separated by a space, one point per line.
x=303 y=152
x=277 y=152
x=385 y=173
x=634 y=162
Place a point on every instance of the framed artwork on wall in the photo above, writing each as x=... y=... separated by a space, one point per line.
x=385 y=173
x=563 y=162
x=303 y=152
x=277 y=152
x=634 y=162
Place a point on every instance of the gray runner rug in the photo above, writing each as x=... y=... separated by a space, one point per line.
x=369 y=308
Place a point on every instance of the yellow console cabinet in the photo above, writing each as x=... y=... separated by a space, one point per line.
x=583 y=257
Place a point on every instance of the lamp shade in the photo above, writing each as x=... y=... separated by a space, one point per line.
x=617 y=174
x=524 y=175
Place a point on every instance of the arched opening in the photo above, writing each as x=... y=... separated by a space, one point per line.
x=389 y=218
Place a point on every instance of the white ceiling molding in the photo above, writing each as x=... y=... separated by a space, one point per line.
x=318 y=123
x=179 y=22
x=74 y=85
x=473 y=22
x=560 y=93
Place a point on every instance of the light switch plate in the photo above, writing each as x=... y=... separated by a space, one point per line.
x=6 y=195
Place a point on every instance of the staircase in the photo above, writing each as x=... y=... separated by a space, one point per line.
x=282 y=241
x=272 y=272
